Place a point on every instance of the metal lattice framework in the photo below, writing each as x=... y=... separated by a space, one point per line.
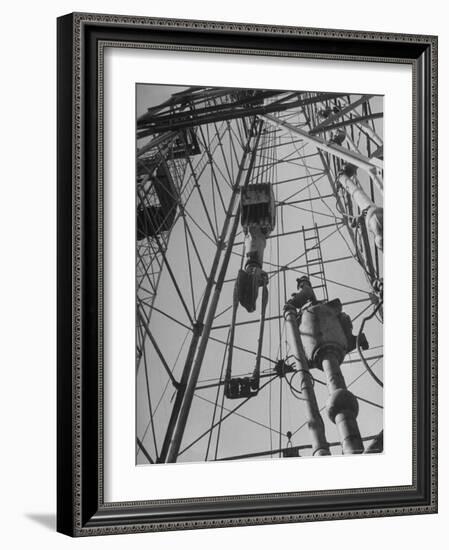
x=196 y=151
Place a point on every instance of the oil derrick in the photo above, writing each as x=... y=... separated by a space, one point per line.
x=240 y=193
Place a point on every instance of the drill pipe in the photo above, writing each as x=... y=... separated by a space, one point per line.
x=342 y=406
x=315 y=423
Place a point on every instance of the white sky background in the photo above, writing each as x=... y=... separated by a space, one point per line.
x=240 y=435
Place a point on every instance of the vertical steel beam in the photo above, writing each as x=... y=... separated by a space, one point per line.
x=356 y=192
x=191 y=385
x=181 y=409
x=367 y=252
x=201 y=316
x=197 y=331
x=315 y=423
x=374 y=213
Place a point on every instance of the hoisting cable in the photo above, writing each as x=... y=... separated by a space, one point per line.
x=255 y=377
x=295 y=392
x=235 y=299
x=235 y=303
x=364 y=361
x=256 y=372
x=216 y=399
x=270 y=311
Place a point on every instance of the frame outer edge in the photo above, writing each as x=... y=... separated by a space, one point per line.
x=65 y=270
x=229 y=26
x=434 y=270
x=69 y=521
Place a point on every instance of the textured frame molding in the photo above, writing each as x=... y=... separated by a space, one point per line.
x=81 y=42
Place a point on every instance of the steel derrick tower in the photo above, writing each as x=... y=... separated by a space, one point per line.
x=244 y=197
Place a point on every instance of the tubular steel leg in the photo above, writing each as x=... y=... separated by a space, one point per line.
x=174 y=438
x=188 y=396
x=196 y=334
x=342 y=406
x=315 y=423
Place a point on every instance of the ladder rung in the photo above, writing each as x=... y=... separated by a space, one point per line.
x=307 y=229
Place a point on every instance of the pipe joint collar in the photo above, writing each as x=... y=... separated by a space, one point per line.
x=340 y=401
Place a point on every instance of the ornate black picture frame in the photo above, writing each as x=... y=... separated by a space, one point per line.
x=81 y=509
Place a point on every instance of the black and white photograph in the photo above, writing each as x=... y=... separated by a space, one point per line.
x=221 y=308
x=259 y=274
